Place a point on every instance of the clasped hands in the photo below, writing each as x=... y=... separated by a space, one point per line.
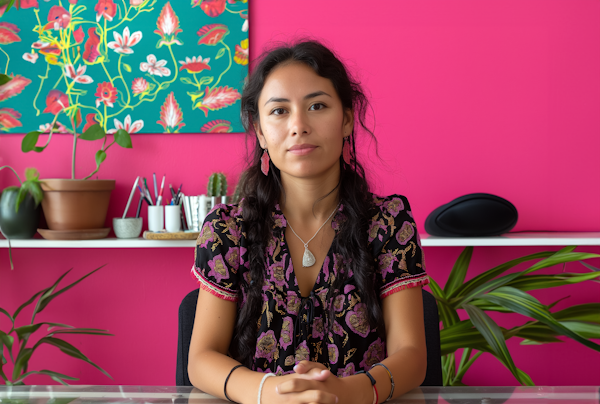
x=311 y=382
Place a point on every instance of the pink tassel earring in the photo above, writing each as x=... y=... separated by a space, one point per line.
x=346 y=150
x=264 y=163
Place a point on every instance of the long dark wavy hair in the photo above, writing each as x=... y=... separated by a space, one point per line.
x=261 y=192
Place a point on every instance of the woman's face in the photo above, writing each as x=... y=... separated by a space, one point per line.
x=302 y=122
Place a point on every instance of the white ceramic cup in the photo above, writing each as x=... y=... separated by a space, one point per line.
x=173 y=218
x=155 y=218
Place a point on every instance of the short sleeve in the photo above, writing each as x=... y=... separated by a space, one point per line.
x=217 y=257
x=396 y=246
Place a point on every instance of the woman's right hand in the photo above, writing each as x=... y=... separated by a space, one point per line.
x=309 y=388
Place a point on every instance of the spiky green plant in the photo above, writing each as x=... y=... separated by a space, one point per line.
x=494 y=291
x=21 y=359
x=217 y=185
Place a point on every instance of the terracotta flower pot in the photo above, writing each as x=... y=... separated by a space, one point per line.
x=76 y=204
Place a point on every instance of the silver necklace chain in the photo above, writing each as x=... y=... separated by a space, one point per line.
x=308 y=258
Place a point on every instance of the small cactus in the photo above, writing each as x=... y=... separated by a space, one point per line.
x=217 y=185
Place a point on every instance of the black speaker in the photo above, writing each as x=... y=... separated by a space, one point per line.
x=472 y=215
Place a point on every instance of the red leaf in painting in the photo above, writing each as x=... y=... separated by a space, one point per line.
x=217 y=126
x=212 y=8
x=10 y=25
x=7 y=35
x=168 y=26
x=90 y=119
x=29 y=4
x=78 y=34
x=58 y=18
x=56 y=101
x=218 y=98
x=13 y=87
x=91 y=52
x=212 y=34
x=171 y=115
x=9 y=118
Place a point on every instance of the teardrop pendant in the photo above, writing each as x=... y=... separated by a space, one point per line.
x=308 y=259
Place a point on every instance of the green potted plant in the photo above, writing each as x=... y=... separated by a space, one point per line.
x=217 y=189
x=20 y=353
x=71 y=206
x=495 y=291
x=20 y=208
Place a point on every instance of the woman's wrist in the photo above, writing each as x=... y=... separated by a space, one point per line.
x=357 y=389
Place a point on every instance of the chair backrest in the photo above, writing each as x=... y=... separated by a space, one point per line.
x=187 y=313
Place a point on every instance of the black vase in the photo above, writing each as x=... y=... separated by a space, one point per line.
x=22 y=224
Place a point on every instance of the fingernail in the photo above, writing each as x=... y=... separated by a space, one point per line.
x=277 y=390
x=295 y=368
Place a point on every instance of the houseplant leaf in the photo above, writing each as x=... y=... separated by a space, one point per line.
x=459 y=271
x=21 y=362
x=29 y=141
x=89 y=331
x=27 y=303
x=586 y=330
x=94 y=132
x=123 y=139
x=70 y=350
x=494 y=337
x=532 y=282
x=481 y=279
x=448 y=316
x=525 y=304
x=55 y=376
x=589 y=312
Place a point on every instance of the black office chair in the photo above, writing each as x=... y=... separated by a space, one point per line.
x=187 y=312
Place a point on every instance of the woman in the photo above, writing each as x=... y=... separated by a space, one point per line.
x=311 y=276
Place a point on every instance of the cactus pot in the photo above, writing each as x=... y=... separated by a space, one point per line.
x=22 y=224
x=76 y=204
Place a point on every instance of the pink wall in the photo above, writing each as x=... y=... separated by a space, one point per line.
x=469 y=96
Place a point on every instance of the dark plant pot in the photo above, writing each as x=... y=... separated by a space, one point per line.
x=22 y=224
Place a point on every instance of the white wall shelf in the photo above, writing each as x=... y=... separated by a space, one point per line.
x=506 y=240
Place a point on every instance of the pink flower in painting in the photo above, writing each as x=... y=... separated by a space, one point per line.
x=91 y=52
x=78 y=76
x=29 y=4
x=73 y=1
x=90 y=119
x=58 y=18
x=13 y=87
x=123 y=44
x=194 y=65
x=212 y=8
x=8 y=33
x=9 y=118
x=106 y=93
x=212 y=34
x=136 y=3
x=218 y=98
x=78 y=34
x=139 y=85
x=56 y=101
x=58 y=128
x=168 y=26
x=217 y=126
x=171 y=116
x=154 y=67
x=31 y=57
x=127 y=125
x=106 y=9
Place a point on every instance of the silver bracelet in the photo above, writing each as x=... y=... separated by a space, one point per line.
x=391 y=379
x=262 y=382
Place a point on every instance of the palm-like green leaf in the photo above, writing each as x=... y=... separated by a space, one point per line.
x=21 y=362
x=525 y=304
x=88 y=331
x=7 y=314
x=586 y=330
x=533 y=282
x=494 y=337
x=68 y=349
x=487 y=276
x=54 y=375
x=448 y=315
x=8 y=341
x=589 y=312
x=459 y=271
x=27 y=303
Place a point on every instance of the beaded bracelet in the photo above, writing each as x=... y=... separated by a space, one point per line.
x=391 y=379
x=262 y=382
x=373 y=381
x=227 y=379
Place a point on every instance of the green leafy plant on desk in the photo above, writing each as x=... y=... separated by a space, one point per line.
x=23 y=333
x=497 y=292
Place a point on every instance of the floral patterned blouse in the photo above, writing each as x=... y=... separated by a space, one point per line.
x=292 y=327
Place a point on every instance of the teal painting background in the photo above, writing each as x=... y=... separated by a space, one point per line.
x=192 y=15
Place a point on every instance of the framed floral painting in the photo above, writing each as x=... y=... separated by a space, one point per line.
x=151 y=66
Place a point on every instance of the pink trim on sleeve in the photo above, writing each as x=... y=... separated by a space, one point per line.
x=404 y=283
x=205 y=284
